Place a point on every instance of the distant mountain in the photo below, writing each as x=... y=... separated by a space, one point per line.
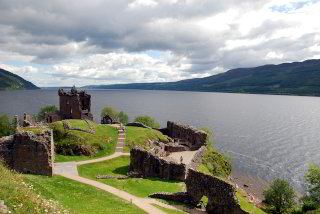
x=10 y=81
x=297 y=78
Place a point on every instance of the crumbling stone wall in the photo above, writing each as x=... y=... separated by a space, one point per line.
x=187 y=135
x=221 y=194
x=27 y=152
x=75 y=104
x=197 y=158
x=149 y=165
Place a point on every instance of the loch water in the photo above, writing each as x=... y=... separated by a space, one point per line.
x=268 y=136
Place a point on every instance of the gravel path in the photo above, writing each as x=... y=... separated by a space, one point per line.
x=69 y=170
x=186 y=156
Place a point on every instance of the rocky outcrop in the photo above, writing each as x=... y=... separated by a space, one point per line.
x=187 y=135
x=221 y=194
x=149 y=165
x=27 y=152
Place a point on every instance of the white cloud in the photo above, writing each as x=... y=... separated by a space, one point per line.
x=104 y=42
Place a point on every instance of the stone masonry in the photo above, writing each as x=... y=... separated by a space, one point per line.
x=146 y=164
x=27 y=152
x=221 y=194
x=75 y=104
x=187 y=135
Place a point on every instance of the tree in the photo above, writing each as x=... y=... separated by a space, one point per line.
x=148 y=121
x=46 y=109
x=111 y=112
x=280 y=196
x=313 y=180
x=6 y=128
x=123 y=117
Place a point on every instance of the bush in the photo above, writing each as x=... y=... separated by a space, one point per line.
x=280 y=196
x=313 y=181
x=148 y=121
x=44 y=110
x=111 y=112
x=121 y=116
x=216 y=163
x=6 y=128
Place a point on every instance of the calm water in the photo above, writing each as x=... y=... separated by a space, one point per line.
x=266 y=136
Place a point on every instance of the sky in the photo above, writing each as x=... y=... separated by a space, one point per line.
x=93 y=42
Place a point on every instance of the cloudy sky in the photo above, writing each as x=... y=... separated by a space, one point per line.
x=62 y=43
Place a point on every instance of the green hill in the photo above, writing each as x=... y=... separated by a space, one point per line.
x=10 y=81
x=297 y=78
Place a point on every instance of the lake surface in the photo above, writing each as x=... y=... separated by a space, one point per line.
x=265 y=135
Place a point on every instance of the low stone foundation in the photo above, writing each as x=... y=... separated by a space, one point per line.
x=182 y=197
x=27 y=152
x=149 y=165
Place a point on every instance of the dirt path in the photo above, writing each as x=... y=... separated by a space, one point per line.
x=186 y=156
x=69 y=170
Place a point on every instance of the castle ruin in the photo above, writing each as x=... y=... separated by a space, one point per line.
x=73 y=105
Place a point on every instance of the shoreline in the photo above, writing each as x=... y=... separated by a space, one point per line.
x=253 y=185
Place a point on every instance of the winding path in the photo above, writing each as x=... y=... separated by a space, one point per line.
x=69 y=170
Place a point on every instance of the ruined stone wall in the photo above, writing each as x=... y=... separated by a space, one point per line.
x=6 y=147
x=150 y=165
x=187 y=135
x=197 y=158
x=221 y=194
x=27 y=152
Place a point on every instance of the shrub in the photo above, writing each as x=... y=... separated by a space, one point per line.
x=121 y=116
x=313 y=181
x=111 y=112
x=46 y=109
x=215 y=163
x=6 y=128
x=148 y=121
x=280 y=196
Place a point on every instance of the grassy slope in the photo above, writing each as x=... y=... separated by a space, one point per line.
x=136 y=186
x=140 y=136
x=78 y=197
x=245 y=204
x=106 y=136
x=20 y=196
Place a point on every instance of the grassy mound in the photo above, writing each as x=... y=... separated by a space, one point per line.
x=137 y=136
x=20 y=197
x=245 y=204
x=214 y=163
x=78 y=197
x=136 y=186
x=74 y=145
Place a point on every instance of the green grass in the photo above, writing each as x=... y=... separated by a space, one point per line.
x=35 y=130
x=20 y=197
x=168 y=211
x=78 y=197
x=136 y=186
x=245 y=204
x=103 y=141
x=139 y=136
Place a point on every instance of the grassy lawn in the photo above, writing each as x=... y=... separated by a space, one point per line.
x=136 y=186
x=35 y=130
x=20 y=197
x=78 y=197
x=140 y=136
x=169 y=211
x=103 y=141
